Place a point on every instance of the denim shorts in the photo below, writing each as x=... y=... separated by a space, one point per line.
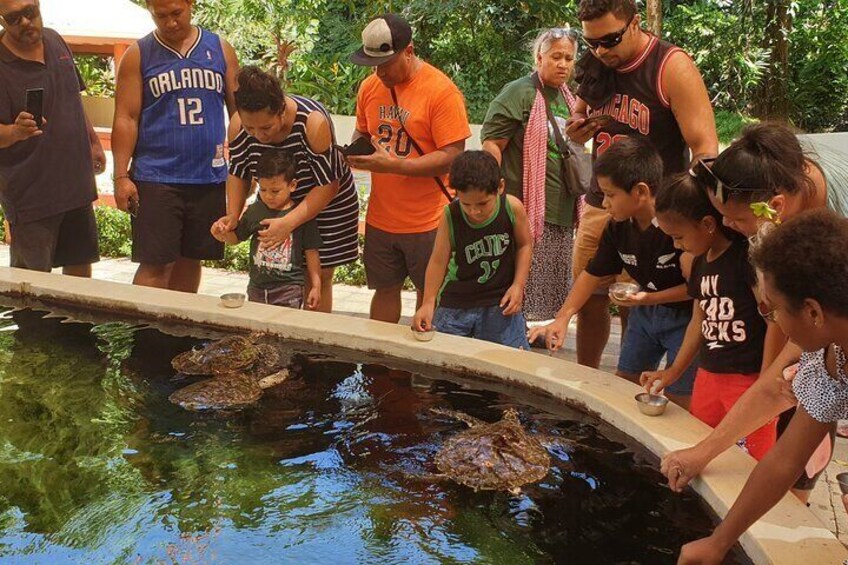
x=487 y=323
x=653 y=332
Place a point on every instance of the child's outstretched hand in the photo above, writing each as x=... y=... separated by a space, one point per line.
x=512 y=300
x=313 y=299
x=655 y=381
x=423 y=320
x=554 y=333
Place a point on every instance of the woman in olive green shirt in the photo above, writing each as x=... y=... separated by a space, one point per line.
x=503 y=135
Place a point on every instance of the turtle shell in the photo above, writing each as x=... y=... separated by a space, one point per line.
x=227 y=355
x=225 y=392
x=498 y=456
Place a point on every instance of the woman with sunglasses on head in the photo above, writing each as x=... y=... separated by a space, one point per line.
x=539 y=170
x=651 y=89
x=765 y=165
x=768 y=164
x=813 y=311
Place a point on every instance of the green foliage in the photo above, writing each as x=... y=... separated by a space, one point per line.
x=727 y=41
x=483 y=44
x=97 y=74
x=729 y=125
x=236 y=258
x=115 y=233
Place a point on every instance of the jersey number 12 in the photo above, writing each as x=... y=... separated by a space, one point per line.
x=190 y=111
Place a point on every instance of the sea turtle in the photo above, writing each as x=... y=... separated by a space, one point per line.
x=231 y=391
x=230 y=354
x=241 y=368
x=498 y=456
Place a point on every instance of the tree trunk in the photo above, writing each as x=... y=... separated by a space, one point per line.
x=774 y=100
x=655 y=13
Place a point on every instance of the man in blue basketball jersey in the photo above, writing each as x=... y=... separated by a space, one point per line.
x=168 y=142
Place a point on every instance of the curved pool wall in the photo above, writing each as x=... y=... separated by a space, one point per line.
x=790 y=533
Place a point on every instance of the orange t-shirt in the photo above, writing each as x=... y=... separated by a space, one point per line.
x=433 y=111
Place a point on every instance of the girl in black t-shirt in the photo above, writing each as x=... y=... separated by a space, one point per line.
x=726 y=326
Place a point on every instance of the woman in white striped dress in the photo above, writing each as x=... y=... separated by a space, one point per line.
x=269 y=118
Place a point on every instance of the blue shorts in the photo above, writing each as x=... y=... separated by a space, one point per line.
x=487 y=323
x=652 y=332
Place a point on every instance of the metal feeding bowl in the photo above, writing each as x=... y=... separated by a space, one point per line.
x=424 y=336
x=232 y=300
x=623 y=290
x=651 y=404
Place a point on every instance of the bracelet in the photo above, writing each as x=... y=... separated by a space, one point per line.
x=119 y=177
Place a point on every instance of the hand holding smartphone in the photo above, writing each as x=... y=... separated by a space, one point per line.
x=361 y=147
x=35 y=104
x=601 y=120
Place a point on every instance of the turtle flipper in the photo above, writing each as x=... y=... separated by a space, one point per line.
x=471 y=421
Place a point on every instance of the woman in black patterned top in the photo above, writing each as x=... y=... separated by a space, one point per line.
x=803 y=272
x=268 y=118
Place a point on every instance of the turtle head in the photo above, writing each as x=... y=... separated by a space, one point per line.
x=511 y=414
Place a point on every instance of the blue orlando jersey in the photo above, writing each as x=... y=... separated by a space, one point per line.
x=181 y=131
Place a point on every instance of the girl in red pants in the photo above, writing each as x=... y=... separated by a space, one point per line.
x=727 y=333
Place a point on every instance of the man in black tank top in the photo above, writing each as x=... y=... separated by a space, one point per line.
x=650 y=88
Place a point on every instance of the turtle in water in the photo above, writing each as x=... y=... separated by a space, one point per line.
x=498 y=456
x=241 y=368
x=231 y=391
x=230 y=354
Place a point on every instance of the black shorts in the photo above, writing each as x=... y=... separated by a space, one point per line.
x=173 y=221
x=61 y=240
x=390 y=257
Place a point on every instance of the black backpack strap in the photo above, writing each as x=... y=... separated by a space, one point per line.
x=417 y=147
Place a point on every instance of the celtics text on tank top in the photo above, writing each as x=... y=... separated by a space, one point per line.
x=640 y=108
x=181 y=130
x=482 y=264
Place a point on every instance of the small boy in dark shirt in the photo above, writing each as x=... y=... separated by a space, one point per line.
x=628 y=173
x=277 y=275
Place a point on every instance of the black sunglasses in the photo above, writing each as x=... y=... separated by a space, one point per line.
x=31 y=13
x=702 y=171
x=610 y=40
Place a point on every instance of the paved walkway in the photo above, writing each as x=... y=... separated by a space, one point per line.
x=826 y=501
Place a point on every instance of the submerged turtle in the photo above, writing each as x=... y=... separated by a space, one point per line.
x=241 y=368
x=498 y=456
x=231 y=391
x=230 y=354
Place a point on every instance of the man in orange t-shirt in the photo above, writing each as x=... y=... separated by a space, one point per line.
x=406 y=200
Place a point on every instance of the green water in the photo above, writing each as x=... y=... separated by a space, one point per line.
x=96 y=466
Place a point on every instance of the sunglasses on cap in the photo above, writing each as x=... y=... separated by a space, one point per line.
x=610 y=40
x=31 y=12
x=702 y=171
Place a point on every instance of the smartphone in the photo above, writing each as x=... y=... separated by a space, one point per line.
x=601 y=120
x=35 y=104
x=361 y=147
x=132 y=207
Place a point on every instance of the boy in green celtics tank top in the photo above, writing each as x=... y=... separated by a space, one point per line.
x=481 y=259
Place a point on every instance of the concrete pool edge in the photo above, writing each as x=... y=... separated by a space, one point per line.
x=790 y=533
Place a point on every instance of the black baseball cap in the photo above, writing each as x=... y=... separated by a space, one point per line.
x=383 y=39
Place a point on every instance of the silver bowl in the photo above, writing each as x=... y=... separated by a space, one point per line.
x=651 y=404
x=424 y=336
x=232 y=300
x=623 y=290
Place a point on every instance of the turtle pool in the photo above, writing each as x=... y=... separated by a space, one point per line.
x=96 y=466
